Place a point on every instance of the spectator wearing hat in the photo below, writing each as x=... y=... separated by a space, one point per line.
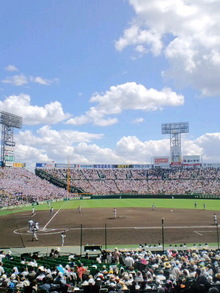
x=213 y=290
x=8 y=255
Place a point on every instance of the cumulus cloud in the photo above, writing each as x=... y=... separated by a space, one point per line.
x=29 y=153
x=46 y=136
x=140 y=38
x=186 y=32
x=32 y=115
x=191 y=148
x=210 y=142
x=138 y=151
x=128 y=96
x=96 y=154
x=58 y=145
x=48 y=144
x=11 y=68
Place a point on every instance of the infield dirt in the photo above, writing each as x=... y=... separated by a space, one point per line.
x=99 y=227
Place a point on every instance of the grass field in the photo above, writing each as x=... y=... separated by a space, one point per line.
x=123 y=203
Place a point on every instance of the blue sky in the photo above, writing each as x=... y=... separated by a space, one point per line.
x=94 y=80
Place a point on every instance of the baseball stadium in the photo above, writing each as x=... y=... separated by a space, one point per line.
x=107 y=227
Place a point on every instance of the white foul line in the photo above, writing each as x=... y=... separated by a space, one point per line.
x=200 y=234
x=53 y=217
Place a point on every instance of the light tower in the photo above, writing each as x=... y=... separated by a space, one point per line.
x=9 y=122
x=175 y=130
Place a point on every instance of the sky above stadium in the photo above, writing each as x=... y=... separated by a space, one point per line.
x=94 y=80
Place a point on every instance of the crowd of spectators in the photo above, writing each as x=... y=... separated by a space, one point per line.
x=20 y=186
x=113 y=271
x=172 y=181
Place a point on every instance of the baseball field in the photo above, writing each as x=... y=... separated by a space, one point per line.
x=136 y=221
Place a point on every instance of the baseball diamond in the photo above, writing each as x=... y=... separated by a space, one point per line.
x=99 y=227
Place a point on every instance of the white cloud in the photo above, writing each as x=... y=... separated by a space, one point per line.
x=186 y=32
x=21 y=79
x=138 y=151
x=30 y=156
x=210 y=142
x=21 y=105
x=46 y=136
x=18 y=80
x=51 y=145
x=138 y=120
x=191 y=148
x=27 y=153
x=128 y=96
x=40 y=80
x=137 y=37
x=96 y=154
x=48 y=144
x=11 y=68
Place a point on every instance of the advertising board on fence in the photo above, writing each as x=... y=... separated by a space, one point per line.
x=192 y=160
x=45 y=165
x=211 y=165
x=93 y=166
x=161 y=161
x=19 y=165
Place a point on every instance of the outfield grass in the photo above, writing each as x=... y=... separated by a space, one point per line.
x=123 y=203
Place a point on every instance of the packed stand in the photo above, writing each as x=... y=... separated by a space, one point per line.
x=20 y=186
x=115 y=271
x=172 y=181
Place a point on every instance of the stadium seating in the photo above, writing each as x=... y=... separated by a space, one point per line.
x=150 y=271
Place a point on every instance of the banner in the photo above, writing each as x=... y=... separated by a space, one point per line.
x=142 y=166
x=19 y=165
x=45 y=165
x=161 y=161
x=211 y=165
x=192 y=160
x=65 y=166
x=94 y=166
x=8 y=163
x=175 y=164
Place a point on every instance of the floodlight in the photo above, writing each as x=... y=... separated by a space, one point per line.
x=175 y=130
x=169 y=128
x=9 y=122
